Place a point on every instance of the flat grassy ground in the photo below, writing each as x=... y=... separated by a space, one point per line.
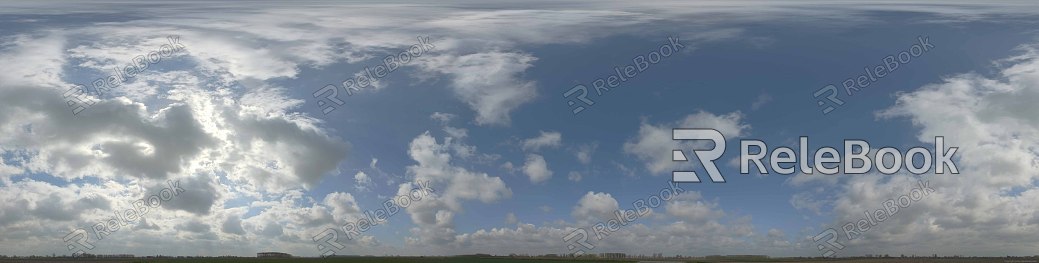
x=509 y=260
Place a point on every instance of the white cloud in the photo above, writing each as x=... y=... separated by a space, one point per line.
x=653 y=144
x=989 y=207
x=585 y=151
x=806 y=201
x=511 y=219
x=443 y=118
x=33 y=60
x=362 y=181
x=232 y=225
x=172 y=123
x=536 y=168
x=574 y=176
x=458 y=133
x=434 y=215
x=693 y=223
x=344 y=206
x=213 y=119
x=762 y=99
x=489 y=82
x=594 y=207
x=691 y=208
x=545 y=208
x=546 y=139
x=508 y=167
x=26 y=202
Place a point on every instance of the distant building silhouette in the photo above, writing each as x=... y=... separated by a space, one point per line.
x=273 y=255
x=107 y=256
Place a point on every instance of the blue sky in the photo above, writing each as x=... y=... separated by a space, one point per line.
x=482 y=117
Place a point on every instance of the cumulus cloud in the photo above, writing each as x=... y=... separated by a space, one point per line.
x=112 y=139
x=653 y=144
x=434 y=214
x=200 y=194
x=594 y=207
x=585 y=151
x=489 y=82
x=344 y=206
x=214 y=118
x=546 y=139
x=536 y=168
x=232 y=225
x=33 y=202
x=690 y=221
x=362 y=181
x=990 y=205
x=171 y=124
x=691 y=208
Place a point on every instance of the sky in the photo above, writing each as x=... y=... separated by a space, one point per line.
x=221 y=111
